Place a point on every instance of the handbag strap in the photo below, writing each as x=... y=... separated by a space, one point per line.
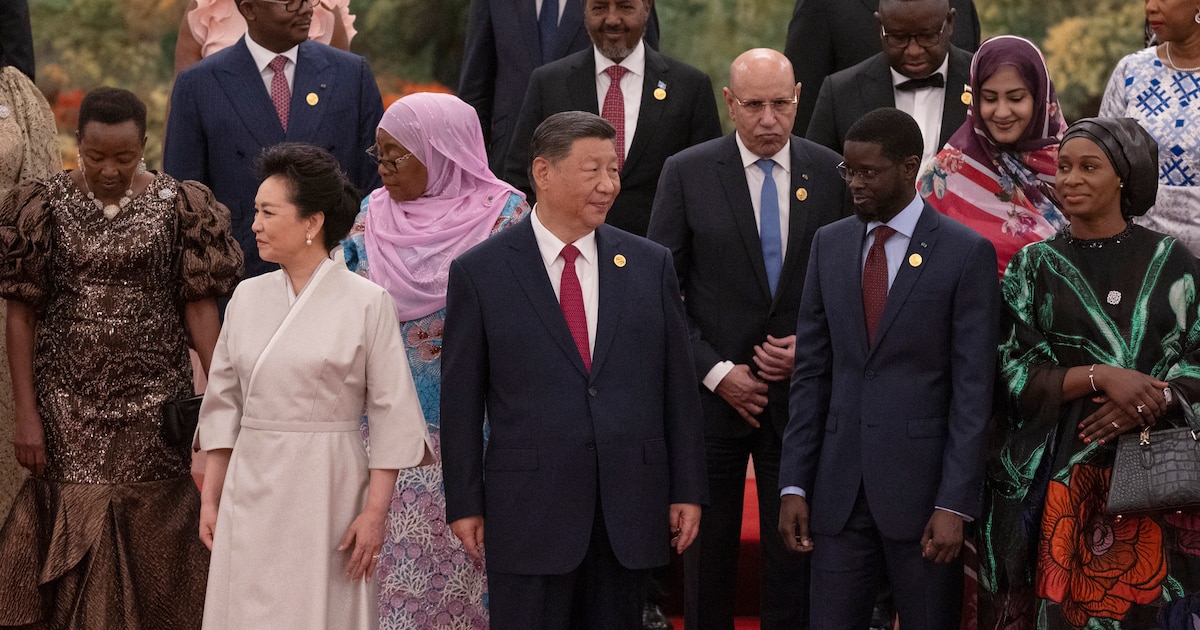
x=1189 y=415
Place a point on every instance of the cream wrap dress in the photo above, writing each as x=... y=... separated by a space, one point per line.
x=288 y=385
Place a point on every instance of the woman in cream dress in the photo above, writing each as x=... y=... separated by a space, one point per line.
x=293 y=504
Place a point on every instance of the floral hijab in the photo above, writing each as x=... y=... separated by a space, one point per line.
x=1000 y=190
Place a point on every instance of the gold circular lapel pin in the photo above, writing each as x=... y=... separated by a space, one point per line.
x=659 y=94
x=619 y=260
x=801 y=194
x=312 y=98
x=915 y=260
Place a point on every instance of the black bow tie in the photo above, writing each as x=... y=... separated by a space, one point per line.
x=932 y=81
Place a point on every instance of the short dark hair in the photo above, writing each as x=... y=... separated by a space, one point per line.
x=553 y=138
x=112 y=106
x=896 y=133
x=317 y=184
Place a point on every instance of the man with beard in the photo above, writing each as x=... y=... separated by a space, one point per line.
x=272 y=86
x=658 y=106
x=891 y=394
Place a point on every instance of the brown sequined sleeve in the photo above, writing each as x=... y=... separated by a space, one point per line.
x=209 y=259
x=26 y=233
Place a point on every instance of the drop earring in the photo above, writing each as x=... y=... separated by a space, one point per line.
x=141 y=167
x=307 y=239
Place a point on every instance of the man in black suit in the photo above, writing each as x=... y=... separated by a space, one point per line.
x=506 y=40
x=658 y=105
x=739 y=213
x=919 y=72
x=825 y=36
x=891 y=394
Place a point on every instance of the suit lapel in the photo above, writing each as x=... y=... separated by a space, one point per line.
x=876 y=83
x=797 y=217
x=527 y=21
x=581 y=82
x=612 y=294
x=530 y=272
x=923 y=242
x=849 y=275
x=314 y=76
x=243 y=85
x=958 y=77
x=651 y=108
x=737 y=194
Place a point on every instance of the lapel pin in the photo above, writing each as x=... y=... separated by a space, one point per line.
x=311 y=99
x=660 y=92
x=619 y=260
x=322 y=86
x=915 y=260
x=966 y=95
x=801 y=194
x=924 y=244
x=803 y=175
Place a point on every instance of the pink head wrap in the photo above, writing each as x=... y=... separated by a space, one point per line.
x=410 y=244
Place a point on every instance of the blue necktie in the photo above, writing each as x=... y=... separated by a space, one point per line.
x=772 y=241
x=548 y=28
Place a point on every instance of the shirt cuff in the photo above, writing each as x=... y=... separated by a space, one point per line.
x=717 y=374
x=792 y=490
x=964 y=517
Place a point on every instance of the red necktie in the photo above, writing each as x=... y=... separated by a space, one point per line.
x=614 y=109
x=570 y=298
x=875 y=280
x=281 y=94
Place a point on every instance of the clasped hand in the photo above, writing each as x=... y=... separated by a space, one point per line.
x=1130 y=400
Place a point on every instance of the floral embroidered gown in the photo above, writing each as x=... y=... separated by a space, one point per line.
x=1052 y=557
x=426 y=579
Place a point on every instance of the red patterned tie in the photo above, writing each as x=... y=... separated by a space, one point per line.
x=570 y=298
x=614 y=109
x=875 y=280
x=281 y=94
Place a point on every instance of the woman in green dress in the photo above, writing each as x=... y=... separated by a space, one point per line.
x=1101 y=338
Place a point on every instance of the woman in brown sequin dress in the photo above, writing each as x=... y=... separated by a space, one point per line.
x=117 y=270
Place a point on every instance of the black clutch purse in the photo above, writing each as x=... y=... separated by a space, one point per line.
x=180 y=418
x=1158 y=470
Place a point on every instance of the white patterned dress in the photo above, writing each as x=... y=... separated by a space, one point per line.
x=1167 y=103
x=426 y=579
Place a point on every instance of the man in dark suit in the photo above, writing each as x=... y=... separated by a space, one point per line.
x=505 y=42
x=918 y=72
x=658 y=105
x=740 y=239
x=16 y=36
x=825 y=36
x=895 y=354
x=569 y=337
x=230 y=106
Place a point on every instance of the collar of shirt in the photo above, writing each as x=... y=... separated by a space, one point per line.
x=905 y=222
x=898 y=78
x=263 y=57
x=551 y=247
x=783 y=159
x=635 y=62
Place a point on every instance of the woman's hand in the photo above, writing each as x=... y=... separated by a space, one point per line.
x=208 y=523
x=1131 y=400
x=29 y=442
x=366 y=536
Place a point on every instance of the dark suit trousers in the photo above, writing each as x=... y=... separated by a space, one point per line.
x=599 y=594
x=848 y=568
x=710 y=564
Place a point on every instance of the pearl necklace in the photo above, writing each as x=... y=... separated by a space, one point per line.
x=111 y=210
x=1171 y=62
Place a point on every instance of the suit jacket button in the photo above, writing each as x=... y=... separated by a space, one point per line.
x=591 y=391
x=869 y=375
x=591 y=446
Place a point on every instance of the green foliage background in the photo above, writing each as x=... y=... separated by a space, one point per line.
x=82 y=44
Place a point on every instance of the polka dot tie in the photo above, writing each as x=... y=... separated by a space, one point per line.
x=281 y=94
x=614 y=110
x=570 y=298
x=875 y=280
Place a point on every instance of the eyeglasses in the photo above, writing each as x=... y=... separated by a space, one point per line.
x=867 y=175
x=390 y=166
x=901 y=40
x=779 y=105
x=294 y=6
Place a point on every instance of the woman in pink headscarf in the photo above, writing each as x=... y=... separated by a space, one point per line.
x=437 y=201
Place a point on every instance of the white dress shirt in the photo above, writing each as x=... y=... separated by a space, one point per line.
x=925 y=106
x=782 y=174
x=263 y=58
x=585 y=267
x=631 y=85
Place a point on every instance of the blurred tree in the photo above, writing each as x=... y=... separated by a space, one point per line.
x=417 y=40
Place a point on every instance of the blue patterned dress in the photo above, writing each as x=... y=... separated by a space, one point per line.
x=1167 y=103
x=426 y=579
